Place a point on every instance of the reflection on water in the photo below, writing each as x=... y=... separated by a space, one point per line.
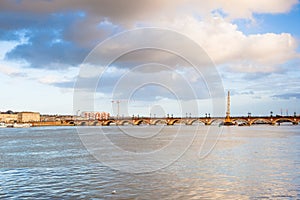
x=247 y=162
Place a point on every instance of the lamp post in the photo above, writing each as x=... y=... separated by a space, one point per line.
x=249 y=114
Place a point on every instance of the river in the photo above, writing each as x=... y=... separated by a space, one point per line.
x=253 y=162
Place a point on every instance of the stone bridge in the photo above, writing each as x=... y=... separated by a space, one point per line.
x=188 y=121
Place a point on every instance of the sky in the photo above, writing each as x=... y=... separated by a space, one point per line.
x=55 y=54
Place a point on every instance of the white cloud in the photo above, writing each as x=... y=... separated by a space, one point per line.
x=50 y=77
x=43 y=76
x=11 y=70
x=245 y=9
x=7 y=70
x=89 y=71
x=224 y=43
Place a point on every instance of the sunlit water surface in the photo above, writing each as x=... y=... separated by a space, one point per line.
x=246 y=163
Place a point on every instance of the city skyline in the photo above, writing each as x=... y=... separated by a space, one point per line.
x=254 y=47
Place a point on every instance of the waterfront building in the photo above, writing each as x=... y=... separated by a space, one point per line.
x=24 y=117
x=8 y=117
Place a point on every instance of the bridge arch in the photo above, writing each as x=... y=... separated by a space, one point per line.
x=191 y=122
x=209 y=121
x=139 y=122
x=220 y=121
x=71 y=123
x=241 y=121
x=83 y=123
x=172 y=122
x=107 y=123
x=260 y=119
x=293 y=121
x=123 y=122
x=155 y=122
x=94 y=123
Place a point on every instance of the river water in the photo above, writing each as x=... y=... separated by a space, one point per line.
x=257 y=162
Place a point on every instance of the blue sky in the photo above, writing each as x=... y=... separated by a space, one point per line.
x=253 y=45
x=275 y=23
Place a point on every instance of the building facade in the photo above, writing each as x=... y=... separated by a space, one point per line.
x=95 y=115
x=8 y=117
x=24 y=117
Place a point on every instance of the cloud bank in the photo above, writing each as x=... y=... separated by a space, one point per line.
x=57 y=35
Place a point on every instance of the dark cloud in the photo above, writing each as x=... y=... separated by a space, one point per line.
x=146 y=56
x=120 y=12
x=45 y=50
x=140 y=85
x=44 y=43
x=62 y=32
x=78 y=25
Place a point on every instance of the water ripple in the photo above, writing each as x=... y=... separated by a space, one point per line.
x=51 y=163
